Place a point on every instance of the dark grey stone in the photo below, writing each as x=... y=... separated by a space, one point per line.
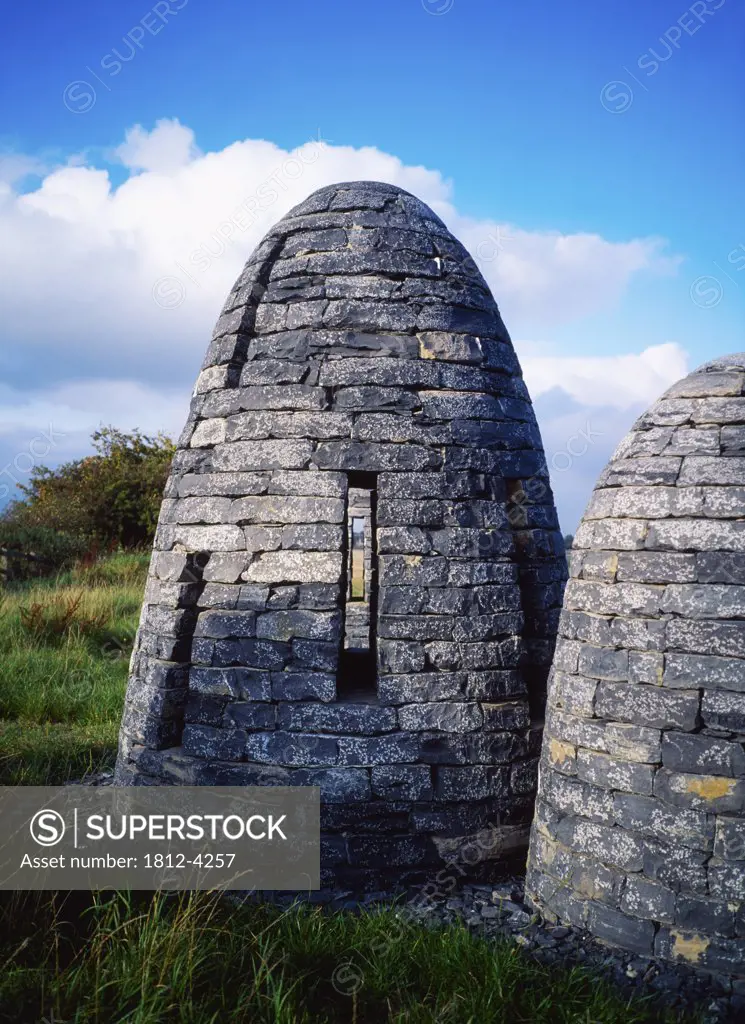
x=359 y=348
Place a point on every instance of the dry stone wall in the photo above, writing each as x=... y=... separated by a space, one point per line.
x=639 y=832
x=360 y=349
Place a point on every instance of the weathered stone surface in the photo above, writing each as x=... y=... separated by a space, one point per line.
x=647 y=900
x=361 y=413
x=702 y=755
x=647 y=705
x=300 y=567
x=647 y=695
x=686 y=671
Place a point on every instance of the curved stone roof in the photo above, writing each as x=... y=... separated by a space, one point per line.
x=360 y=373
x=640 y=824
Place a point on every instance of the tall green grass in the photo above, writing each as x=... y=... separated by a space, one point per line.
x=64 y=651
x=191 y=958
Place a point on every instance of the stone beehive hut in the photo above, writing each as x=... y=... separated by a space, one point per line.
x=640 y=825
x=357 y=572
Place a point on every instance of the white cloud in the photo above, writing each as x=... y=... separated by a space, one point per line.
x=80 y=406
x=85 y=340
x=164 y=150
x=14 y=167
x=79 y=258
x=620 y=381
x=545 y=278
x=585 y=405
x=53 y=425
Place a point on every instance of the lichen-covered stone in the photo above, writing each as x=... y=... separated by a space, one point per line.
x=647 y=698
x=360 y=351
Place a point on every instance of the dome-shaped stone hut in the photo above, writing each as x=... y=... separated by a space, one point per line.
x=639 y=833
x=357 y=572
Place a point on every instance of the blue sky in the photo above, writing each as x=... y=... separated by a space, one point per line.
x=621 y=122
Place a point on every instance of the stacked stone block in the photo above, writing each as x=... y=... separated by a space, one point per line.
x=359 y=339
x=639 y=833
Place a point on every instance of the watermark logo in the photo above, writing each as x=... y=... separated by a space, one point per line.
x=438 y=7
x=706 y=291
x=79 y=96
x=47 y=827
x=617 y=95
x=347 y=979
x=169 y=292
x=24 y=461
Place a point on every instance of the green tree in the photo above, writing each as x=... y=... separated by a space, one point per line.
x=109 y=499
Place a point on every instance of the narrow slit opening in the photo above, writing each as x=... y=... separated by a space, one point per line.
x=357 y=678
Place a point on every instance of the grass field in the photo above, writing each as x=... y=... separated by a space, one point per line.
x=64 y=651
x=193 y=958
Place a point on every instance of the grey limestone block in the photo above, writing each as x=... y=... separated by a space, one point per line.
x=676 y=866
x=390 y=748
x=578 y=799
x=311 y=625
x=209 y=742
x=355 y=719
x=222 y=624
x=474 y=783
x=648 y=705
x=249 y=716
x=226 y=567
x=261 y=455
x=306 y=685
x=726 y=880
x=376 y=458
x=656 y=567
x=633 y=742
x=574 y=694
x=713 y=917
x=301 y=567
x=648 y=900
x=313 y=484
x=228 y=483
x=246 y=684
x=262 y=425
x=651 y=816
x=614 y=773
x=620 y=929
x=293 y=749
x=704 y=601
x=713 y=793
x=445 y=716
x=337 y=785
x=724 y=711
x=702 y=755
x=729 y=843
x=697 y=535
x=613 y=846
x=402 y=782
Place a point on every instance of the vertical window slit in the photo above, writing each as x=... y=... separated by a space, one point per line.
x=357 y=671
